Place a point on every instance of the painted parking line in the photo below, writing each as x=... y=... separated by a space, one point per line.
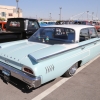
x=58 y=84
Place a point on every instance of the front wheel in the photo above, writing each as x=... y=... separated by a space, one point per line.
x=71 y=71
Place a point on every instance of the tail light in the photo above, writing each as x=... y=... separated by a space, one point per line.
x=27 y=70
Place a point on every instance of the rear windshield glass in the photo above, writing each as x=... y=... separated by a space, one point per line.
x=52 y=35
x=15 y=23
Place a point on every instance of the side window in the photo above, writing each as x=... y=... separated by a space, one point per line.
x=3 y=14
x=36 y=24
x=84 y=35
x=65 y=34
x=60 y=33
x=33 y=25
x=92 y=33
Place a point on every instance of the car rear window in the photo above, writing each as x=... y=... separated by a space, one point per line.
x=53 y=35
x=15 y=23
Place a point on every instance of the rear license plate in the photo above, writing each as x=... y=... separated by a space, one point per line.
x=6 y=74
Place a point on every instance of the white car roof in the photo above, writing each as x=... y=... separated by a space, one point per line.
x=75 y=27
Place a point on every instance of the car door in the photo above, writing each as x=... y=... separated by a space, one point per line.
x=95 y=40
x=89 y=42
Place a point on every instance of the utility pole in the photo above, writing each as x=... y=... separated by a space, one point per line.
x=87 y=15
x=60 y=12
x=50 y=16
x=59 y=16
x=36 y=16
x=17 y=7
x=92 y=15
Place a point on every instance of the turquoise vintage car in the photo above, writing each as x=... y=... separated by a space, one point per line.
x=41 y=23
x=51 y=52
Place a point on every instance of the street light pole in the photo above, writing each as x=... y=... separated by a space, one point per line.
x=36 y=16
x=87 y=15
x=92 y=15
x=59 y=16
x=60 y=12
x=50 y=16
x=17 y=7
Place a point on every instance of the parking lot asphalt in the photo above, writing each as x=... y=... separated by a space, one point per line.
x=85 y=85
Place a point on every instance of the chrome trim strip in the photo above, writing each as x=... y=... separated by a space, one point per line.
x=32 y=81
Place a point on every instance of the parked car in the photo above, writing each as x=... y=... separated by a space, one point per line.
x=42 y=23
x=97 y=26
x=2 y=26
x=82 y=22
x=50 y=22
x=64 y=22
x=18 y=29
x=52 y=51
x=22 y=27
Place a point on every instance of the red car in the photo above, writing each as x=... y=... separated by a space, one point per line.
x=97 y=26
x=2 y=26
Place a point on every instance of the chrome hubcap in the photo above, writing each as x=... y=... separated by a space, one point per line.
x=72 y=70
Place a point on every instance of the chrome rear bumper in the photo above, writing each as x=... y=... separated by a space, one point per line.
x=32 y=81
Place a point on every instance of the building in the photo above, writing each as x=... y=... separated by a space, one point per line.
x=9 y=12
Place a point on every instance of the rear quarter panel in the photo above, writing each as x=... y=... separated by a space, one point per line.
x=55 y=66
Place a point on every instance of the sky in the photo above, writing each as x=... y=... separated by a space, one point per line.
x=46 y=8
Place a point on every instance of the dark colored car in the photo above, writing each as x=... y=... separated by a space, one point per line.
x=23 y=26
x=82 y=22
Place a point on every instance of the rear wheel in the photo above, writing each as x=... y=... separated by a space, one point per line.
x=71 y=71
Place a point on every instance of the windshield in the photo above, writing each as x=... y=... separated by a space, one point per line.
x=52 y=35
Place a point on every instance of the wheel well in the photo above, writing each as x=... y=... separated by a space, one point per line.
x=79 y=63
